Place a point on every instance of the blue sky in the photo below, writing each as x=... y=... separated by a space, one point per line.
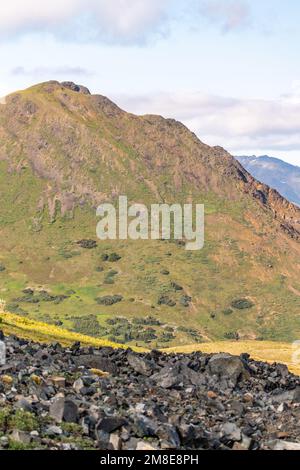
x=229 y=69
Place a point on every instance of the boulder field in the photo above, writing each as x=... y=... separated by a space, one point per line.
x=52 y=397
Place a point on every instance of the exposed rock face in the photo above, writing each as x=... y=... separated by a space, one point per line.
x=211 y=402
x=79 y=88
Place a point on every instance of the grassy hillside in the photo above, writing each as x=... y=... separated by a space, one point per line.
x=42 y=332
x=62 y=153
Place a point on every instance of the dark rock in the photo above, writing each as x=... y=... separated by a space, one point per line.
x=140 y=365
x=177 y=376
x=96 y=362
x=225 y=366
x=109 y=424
x=144 y=427
x=64 y=410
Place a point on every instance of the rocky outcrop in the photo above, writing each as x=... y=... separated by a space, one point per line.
x=53 y=397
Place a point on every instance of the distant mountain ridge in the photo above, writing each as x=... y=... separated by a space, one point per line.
x=276 y=173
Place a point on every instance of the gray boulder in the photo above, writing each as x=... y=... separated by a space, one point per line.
x=226 y=366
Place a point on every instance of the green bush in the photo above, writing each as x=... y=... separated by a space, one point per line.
x=89 y=244
x=109 y=299
x=176 y=286
x=149 y=320
x=231 y=335
x=23 y=421
x=185 y=300
x=165 y=272
x=242 y=304
x=166 y=300
x=87 y=325
x=227 y=311
x=114 y=257
x=166 y=337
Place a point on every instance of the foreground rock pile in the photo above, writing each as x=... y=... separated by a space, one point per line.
x=86 y=398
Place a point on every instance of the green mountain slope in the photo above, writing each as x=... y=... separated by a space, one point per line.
x=62 y=152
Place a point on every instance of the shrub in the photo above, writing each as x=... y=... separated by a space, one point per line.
x=41 y=296
x=112 y=273
x=87 y=325
x=185 y=300
x=28 y=291
x=165 y=300
x=146 y=335
x=146 y=321
x=166 y=337
x=227 y=311
x=89 y=244
x=242 y=304
x=2 y=267
x=4 y=415
x=231 y=335
x=23 y=421
x=109 y=299
x=14 y=308
x=165 y=272
x=114 y=257
x=176 y=286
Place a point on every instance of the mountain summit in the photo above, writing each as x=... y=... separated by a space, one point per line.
x=63 y=151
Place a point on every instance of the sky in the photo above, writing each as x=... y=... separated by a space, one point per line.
x=228 y=69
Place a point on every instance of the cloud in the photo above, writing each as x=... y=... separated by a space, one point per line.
x=50 y=71
x=235 y=124
x=124 y=21
x=229 y=14
x=116 y=21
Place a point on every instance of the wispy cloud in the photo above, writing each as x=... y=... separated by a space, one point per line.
x=38 y=72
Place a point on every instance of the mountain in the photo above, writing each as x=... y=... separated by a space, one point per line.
x=276 y=173
x=62 y=152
